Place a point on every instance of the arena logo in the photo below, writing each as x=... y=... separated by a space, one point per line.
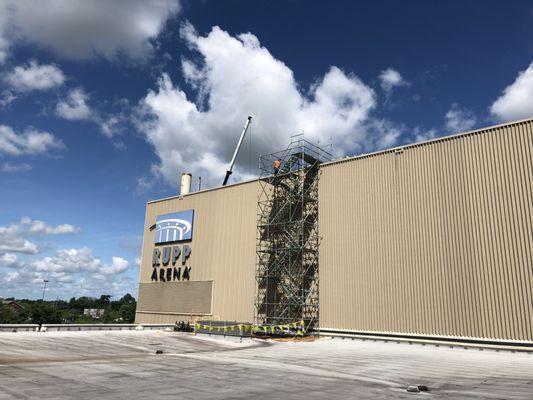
x=169 y=263
x=174 y=227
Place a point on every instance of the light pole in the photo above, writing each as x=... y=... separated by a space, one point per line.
x=44 y=288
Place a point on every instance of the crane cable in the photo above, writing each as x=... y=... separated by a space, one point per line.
x=250 y=150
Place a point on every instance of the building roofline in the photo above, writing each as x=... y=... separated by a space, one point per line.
x=364 y=155
x=179 y=196
x=425 y=142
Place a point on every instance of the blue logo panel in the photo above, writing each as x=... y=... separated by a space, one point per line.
x=174 y=227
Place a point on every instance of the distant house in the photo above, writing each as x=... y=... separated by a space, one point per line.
x=13 y=305
x=95 y=313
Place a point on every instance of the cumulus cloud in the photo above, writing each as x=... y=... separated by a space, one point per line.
x=75 y=106
x=515 y=101
x=235 y=77
x=70 y=272
x=459 y=119
x=77 y=260
x=15 y=244
x=10 y=167
x=15 y=237
x=8 y=260
x=34 y=76
x=390 y=78
x=117 y=266
x=29 y=142
x=84 y=29
x=37 y=227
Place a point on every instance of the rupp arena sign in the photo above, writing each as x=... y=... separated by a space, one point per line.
x=172 y=228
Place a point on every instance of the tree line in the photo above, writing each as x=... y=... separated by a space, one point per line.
x=62 y=311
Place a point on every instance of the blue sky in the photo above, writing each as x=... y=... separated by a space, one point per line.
x=104 y=104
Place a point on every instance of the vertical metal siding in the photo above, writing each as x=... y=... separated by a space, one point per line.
x=223 y=248
x=435 y=240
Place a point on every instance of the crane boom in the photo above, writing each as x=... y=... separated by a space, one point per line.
x=230 y=170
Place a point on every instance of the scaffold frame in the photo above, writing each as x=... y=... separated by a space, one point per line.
x=287 y=251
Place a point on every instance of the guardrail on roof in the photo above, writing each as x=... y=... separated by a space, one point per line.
x=81 y=327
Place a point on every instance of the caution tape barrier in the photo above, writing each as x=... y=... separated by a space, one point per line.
x=294 y=328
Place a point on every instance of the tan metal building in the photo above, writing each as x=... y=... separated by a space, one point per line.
x=433 y=239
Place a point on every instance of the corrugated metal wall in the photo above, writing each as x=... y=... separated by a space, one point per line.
x=223 y=249
x=435 y=240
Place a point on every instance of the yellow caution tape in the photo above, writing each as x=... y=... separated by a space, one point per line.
x=285 y=328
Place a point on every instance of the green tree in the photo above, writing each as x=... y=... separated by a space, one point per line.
x=103 y=301
x=110 y=316
x=127 y=313
x=127 y=299
x=8 y=316
x=44 y=313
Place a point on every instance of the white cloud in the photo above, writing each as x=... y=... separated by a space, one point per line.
x=112 y=125
x=6 y=98
x=117 y=266
x=14 y=238
x=423 y=135
x=459 y=119
x=387 y=133
x=15 y=244
x=84 y=29
x=75 y=106
x=35 y=77
x=4 y=44
x=70 y=272
x=8 y=260
x=3 y=50
x=29 y=142
x=516 y=100
x=144 y=184
x=41 y=228
x=77 y=260
x=236 y=78
x=10 y=167
x=390 y=78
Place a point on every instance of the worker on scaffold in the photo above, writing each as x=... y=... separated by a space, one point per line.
x=277 y=164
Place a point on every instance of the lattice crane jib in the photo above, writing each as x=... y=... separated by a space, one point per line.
x=288 y=239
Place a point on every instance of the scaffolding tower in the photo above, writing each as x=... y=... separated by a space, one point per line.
x=287 y=236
